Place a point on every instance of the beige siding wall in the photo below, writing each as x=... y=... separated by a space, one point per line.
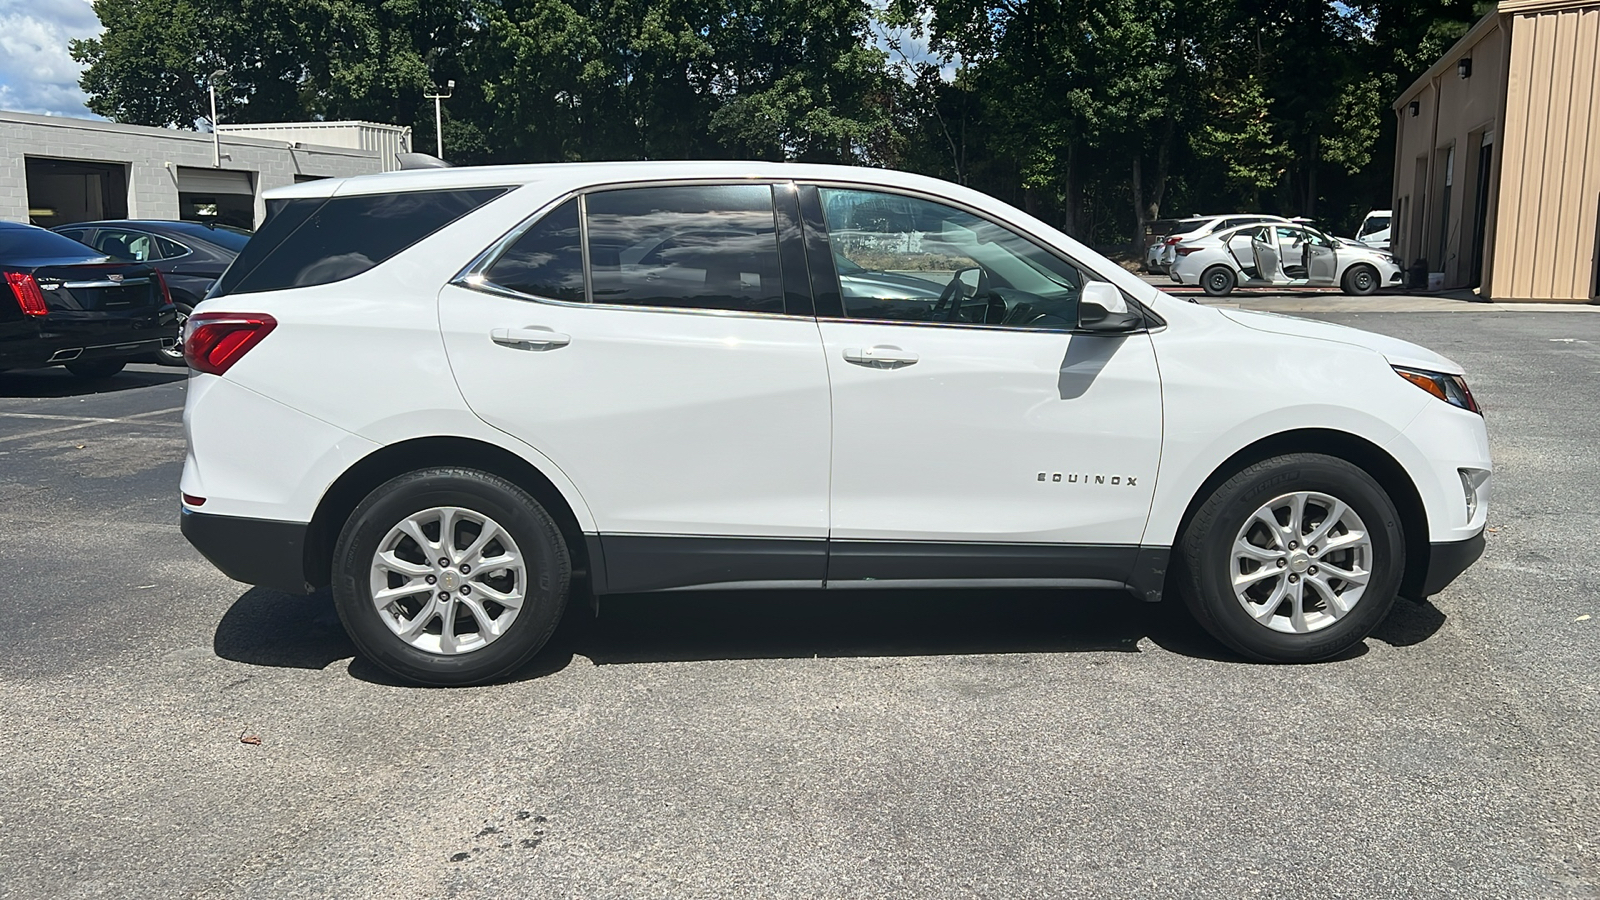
x=1544 y=242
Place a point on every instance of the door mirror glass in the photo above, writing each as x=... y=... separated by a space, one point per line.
x=1103 y=308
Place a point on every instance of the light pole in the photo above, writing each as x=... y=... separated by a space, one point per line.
x=438 y=117
x=216 y=140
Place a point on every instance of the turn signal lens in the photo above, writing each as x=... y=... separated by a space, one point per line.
x=27 y=292
x=215 y=341
x=1452 y=389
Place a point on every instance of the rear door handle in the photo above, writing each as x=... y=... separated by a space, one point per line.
x=882 y=356
x=531 y=338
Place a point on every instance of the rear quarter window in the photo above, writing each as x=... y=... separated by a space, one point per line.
x=322 y=240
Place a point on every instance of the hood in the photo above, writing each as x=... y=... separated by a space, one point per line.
x=1396 y=351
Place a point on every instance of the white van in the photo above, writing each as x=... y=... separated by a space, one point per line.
x=1375 y=229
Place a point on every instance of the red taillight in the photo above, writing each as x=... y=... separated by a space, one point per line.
x=218 y=340
x=1172 y=240
x=27 y=292
x=1185 y=251
x=166 y=295
x=192 y=500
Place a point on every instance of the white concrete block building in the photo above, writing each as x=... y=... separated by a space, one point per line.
x=56 y=170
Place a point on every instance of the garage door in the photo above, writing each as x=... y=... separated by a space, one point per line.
x=213 y=181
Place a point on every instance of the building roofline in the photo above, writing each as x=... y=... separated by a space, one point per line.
x=173 y=134
x=1448 y=59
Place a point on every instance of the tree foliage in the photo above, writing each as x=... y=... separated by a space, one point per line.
x=1098 y=115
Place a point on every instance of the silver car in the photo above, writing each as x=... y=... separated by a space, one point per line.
x=1162 y=253
x=1280 y=255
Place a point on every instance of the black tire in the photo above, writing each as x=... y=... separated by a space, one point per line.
x=1218 y=281
x=539 y=540
x=1361 y=281
x=96 y=368
x=173 y=356
x=1205 y=562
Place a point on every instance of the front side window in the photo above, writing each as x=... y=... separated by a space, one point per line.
x=906 y=259
x=703 y=247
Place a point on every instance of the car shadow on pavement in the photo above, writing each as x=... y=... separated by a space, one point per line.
x=270 y=628
x=58 y=382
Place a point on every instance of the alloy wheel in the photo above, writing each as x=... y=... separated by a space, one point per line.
x=448 y=580
x=1301 y=562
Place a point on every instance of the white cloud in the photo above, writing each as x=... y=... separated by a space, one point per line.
x=908 y=47
x=37 y=74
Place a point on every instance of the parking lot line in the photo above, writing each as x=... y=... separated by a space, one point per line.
x=84 y=422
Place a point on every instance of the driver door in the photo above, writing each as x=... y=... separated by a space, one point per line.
x=1322 y=266
x=974 y=434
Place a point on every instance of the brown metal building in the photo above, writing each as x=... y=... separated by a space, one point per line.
x=1497 y=157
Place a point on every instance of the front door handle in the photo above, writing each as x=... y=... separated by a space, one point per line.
x=882 y=356
x=531 y=338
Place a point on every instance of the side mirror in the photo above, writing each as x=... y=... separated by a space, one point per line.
x=1103 y=308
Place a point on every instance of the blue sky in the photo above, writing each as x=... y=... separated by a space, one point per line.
x=36 y=73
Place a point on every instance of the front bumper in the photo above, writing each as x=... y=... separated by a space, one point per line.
x=255 y=551
x=1446 y=561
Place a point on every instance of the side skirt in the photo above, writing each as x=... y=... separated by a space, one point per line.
x=642 y=563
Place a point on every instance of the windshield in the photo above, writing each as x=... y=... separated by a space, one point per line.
x=1374 y=223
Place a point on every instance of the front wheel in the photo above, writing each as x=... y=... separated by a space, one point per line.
x=1361 y=281
x=1294 y=559
x=450 y=576
x=1218 y=281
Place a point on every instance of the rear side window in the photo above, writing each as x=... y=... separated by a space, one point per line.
x=320 y=240
x=547 y=261
x=710 y=247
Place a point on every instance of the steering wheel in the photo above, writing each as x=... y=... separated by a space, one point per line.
x=955 y=292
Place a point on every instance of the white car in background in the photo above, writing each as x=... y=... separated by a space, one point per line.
x=464 y=397
x=1374 y=231
x=1162 y=254
x=1287 y=255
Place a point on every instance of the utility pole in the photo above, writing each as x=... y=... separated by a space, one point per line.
x=216 y=139
x=438 y=117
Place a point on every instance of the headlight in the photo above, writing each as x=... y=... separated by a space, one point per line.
x=1452 y=389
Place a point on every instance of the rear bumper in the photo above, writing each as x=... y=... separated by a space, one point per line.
x=255 y=551
x=1446 y=561
x=59 y=338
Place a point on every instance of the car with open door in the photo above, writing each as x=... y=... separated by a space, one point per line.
x=190 y=256
x=68 y=305
x=465 y=398
x=1282 y=256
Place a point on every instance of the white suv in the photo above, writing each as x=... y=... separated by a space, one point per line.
x=459 y=396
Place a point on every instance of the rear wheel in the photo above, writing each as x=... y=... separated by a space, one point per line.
x=450 y=576
x=173 y=355
x=1218 y=281
x=1361 y=280
x=1295 y=559
x=97 y=368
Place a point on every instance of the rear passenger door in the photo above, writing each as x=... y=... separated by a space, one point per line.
x=642 y=338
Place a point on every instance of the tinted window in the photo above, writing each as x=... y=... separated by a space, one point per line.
x=170 y=249
x=125 y=244
x=906 y=259
x=320 y=241
x=547 y=261
x=702 y=247
x=19 y=242
x=222 y=235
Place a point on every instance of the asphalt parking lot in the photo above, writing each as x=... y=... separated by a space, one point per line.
x=952 y=744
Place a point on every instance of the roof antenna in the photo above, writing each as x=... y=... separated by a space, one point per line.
x=420 y=161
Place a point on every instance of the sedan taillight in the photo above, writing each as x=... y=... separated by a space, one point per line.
x=215 y=341
x=27 y=292
x=1185 y=251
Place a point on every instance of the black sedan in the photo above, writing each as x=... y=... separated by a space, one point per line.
x=66 y=304
x=190 y=255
